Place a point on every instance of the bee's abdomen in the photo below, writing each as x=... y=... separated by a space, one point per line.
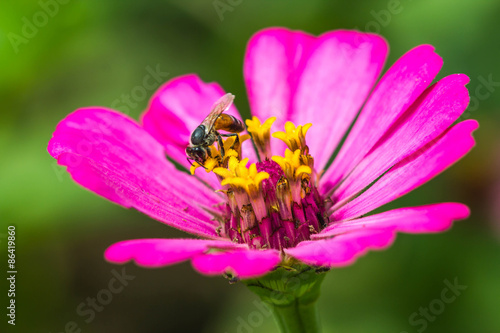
x=229 y=123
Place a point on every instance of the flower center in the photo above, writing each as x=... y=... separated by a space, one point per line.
x=273 y=203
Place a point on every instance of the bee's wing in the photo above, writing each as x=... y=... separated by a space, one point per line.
x=218 y=108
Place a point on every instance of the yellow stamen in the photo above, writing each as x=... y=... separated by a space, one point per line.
x=261 y=134
x=294 y=165
x=241 y=177
x=303 y=169
x=233 y=148
x=296 y=169
x=294 y=136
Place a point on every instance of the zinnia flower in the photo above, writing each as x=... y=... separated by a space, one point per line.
x=288 y=202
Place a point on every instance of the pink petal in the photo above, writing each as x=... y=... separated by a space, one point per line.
x=320 y=80
x=395 y=92
x=342 y=250
x=242 y=263
x=161 y=252
x=111 y=155
x=413 y=171
x=427 y=118
x=423 y=219
x=176 y=109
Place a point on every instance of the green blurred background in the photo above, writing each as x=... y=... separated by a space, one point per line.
x=92 y=52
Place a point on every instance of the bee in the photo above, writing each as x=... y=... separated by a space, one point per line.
x=207 y=133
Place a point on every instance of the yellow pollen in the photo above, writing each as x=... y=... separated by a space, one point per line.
x=294 y=136
x=261 y=134
x=239 y=176
x=257 y=129
x=294 y=165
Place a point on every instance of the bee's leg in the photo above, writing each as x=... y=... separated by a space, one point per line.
x=191 y=162
x=228 y=135
x=221 y=145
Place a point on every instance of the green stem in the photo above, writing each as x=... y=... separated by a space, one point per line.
x=296 y=317
x=291 y=294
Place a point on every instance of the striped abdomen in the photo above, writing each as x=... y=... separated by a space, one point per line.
x=228 y=123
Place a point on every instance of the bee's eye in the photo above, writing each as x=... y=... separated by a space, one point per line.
x=198 y=135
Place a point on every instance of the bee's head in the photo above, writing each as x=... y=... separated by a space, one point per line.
x=198 y=154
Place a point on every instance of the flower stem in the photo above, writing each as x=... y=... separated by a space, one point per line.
x=291 y=294
x=296 y=317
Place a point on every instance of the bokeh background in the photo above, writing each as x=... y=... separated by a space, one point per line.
x=93 y=52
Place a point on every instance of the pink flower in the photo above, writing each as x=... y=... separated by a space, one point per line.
x=286 y=207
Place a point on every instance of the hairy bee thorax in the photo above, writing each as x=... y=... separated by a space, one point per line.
x=273 y=203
